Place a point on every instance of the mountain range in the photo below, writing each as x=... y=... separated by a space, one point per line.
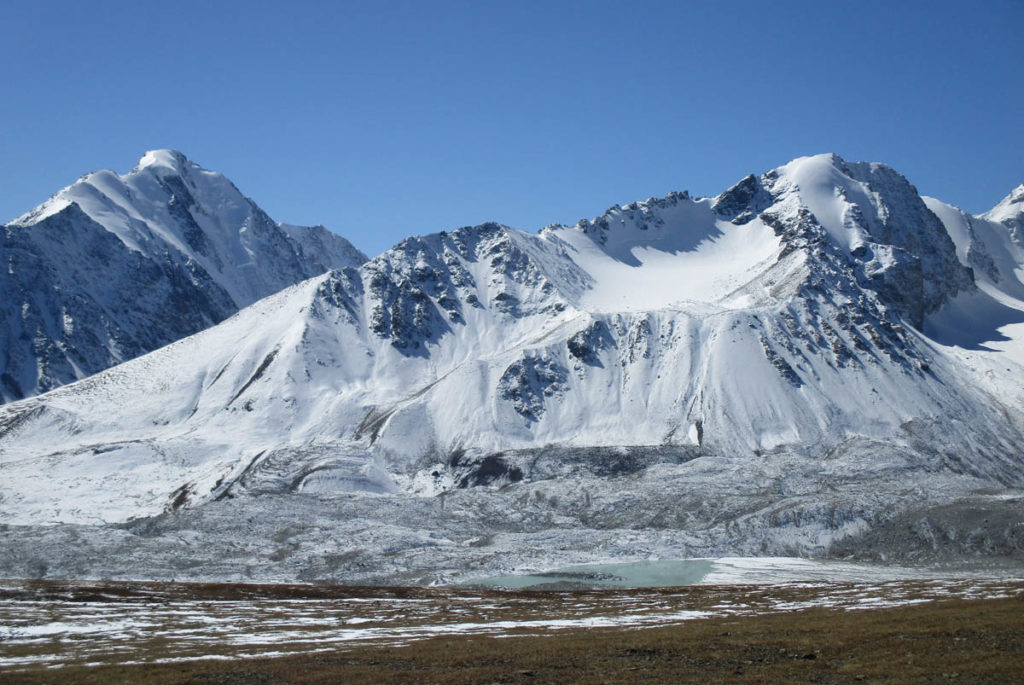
x=787 y=367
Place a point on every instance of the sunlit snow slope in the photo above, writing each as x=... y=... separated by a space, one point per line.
x=115 y=266
x=810 y=312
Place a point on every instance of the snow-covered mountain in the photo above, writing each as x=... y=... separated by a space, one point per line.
x=812 y=311
x=115 y=266
x=1010 y=213
x=802 y=360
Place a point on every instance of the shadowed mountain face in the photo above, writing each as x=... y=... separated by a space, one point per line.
x=788 y=364
x=113 y=266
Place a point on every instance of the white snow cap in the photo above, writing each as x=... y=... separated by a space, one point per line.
x=170 y=159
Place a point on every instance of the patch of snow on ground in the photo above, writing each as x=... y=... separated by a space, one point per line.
x=143 y=631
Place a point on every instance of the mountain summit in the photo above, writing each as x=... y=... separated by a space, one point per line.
x=114 y=266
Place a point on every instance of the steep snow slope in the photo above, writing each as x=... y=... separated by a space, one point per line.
x=777 y=327
x=985 y=328
x=668 y=253
x=1010 y=213
x=115 y=266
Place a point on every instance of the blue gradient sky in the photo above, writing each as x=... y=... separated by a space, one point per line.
x=385 y=119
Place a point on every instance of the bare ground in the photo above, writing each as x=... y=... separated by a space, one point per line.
x=930 y=636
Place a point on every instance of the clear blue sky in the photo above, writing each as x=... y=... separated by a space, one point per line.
x=386 y=119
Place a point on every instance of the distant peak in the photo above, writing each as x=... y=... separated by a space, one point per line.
x=1015 y=197
x=1010 y=207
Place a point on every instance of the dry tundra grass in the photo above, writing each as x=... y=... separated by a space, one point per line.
x=944 y=640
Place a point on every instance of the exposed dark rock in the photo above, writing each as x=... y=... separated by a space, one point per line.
x=743 y=201
x=529 y=382
x=490 y=469
x=585 y=345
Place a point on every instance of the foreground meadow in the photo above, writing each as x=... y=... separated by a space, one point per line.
x=901 y=631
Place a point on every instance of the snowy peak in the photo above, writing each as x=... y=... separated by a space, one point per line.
x=169 y=202
x=856 y=203
x=870 y=219
x=171 y=160
x=107 y=184
x=1009 y=207
x=113 y=266
x=1010 y=213
x=859 y=221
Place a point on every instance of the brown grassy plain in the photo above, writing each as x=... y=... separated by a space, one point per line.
x=945 y=640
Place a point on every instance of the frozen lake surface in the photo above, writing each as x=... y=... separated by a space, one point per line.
x=668 y=573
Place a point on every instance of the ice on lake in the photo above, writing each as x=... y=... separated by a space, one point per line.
x=662 y=573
